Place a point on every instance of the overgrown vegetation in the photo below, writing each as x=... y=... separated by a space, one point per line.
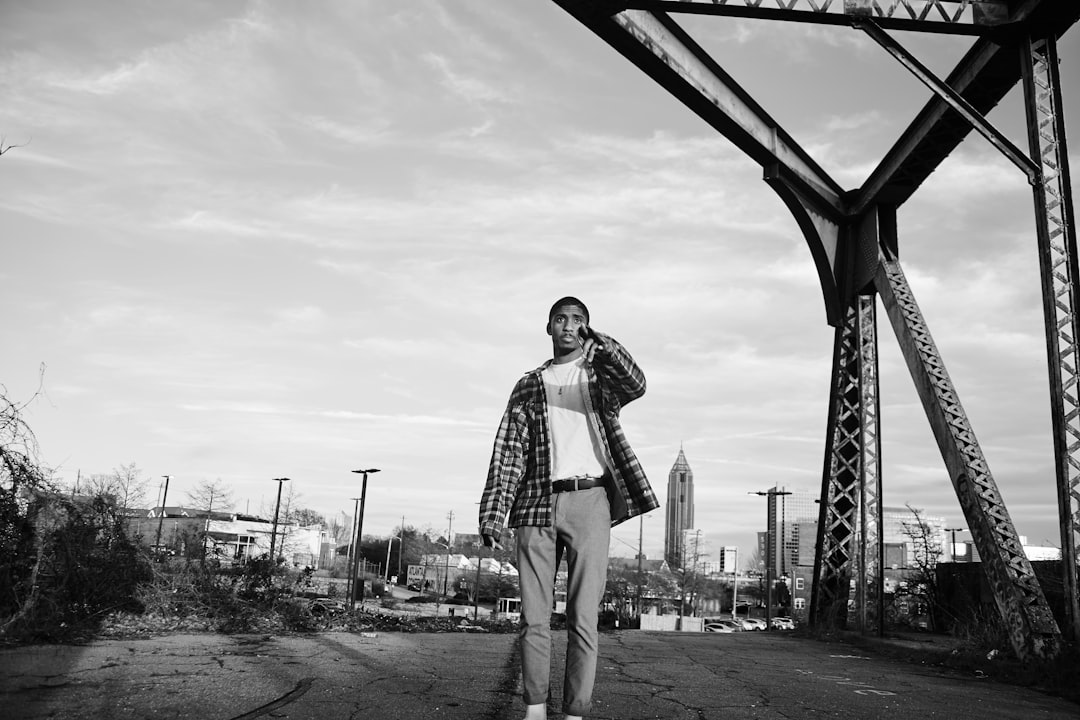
x=70 y=568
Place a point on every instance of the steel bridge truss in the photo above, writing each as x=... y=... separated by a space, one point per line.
x=853 y=241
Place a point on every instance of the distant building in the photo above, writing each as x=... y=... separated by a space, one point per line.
x=966 y=551
x=435 y=572
x=904 y=539
x=729 y=559
x=679 y=515
x=232 y=536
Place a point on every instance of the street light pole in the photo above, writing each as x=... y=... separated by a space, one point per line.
x=476 y=587
x=357 y=580
x=352 y=552
x=389 y=544
x=952 y=549
x=277 y=508
x=401 y=547
x=161 y=515
x=640 y=541
x=735 y=589
x=770 y=549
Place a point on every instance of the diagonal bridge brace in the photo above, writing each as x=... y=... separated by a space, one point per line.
x=952 y=98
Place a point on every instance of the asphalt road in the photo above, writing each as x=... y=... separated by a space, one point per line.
x=391 y=676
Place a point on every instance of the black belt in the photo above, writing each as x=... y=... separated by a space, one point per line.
x=577 y=483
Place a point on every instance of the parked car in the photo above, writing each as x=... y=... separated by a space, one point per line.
x=755 y=623
x=723 y=626
x=326 y=605
x=783 y=623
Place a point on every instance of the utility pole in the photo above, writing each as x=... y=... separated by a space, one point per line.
x=206 y=530
x=401 y=546
x=449 y=535
x=161 y=515
x=277 y=508
x=446 y=567
x=357 y=579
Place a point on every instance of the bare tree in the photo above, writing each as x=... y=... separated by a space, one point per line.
x=921 y=587
x=336 y=527
x=131 y=486
x=211 y=495
x=19 y=463
x=6 y=146
x=305 y=517
x=689 y=575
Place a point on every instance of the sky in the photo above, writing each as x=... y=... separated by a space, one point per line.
x=254 y=240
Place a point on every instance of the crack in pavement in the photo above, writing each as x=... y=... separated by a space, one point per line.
x=292 y=696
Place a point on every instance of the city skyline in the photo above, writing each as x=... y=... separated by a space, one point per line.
x=254 y=240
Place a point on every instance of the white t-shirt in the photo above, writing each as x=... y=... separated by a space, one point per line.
x=575 y=451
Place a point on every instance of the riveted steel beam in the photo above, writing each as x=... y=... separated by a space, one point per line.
x=1055 y=224
x=986 y=73
x=838 y=514
x=960 y=17
x=849 y=523
x=870 y=602
x=951 y=98
x=1019 y=598
x=821 y=227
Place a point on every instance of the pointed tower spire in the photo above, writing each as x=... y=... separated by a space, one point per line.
x=679 y=516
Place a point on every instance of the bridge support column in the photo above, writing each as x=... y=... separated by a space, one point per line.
x=1056 y=229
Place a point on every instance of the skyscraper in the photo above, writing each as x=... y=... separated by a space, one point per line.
x=679 y=516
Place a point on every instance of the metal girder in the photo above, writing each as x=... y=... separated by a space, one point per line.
x=870 y=600
x=962 y=17
x=951 y=98
x=681 y=66
x=838 y=514
x=1056 y=231
x=849 y=524
x=821 y=230
x=1020 y=600
x=982 y=78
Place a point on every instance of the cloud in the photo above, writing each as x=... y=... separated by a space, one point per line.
x=349 y=133
x=471 y=89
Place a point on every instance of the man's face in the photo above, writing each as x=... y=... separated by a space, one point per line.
x=564 y=326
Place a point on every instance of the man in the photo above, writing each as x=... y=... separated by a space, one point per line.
x=563 y=471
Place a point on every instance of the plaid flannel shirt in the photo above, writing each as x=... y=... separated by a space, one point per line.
x=519 y=476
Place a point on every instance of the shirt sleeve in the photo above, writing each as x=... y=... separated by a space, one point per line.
x=506 y=468
x=617 y=370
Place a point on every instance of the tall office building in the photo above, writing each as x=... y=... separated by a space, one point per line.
x=791 y=523
x=680 y=510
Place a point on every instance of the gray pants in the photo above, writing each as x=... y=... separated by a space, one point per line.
x=581 y=533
